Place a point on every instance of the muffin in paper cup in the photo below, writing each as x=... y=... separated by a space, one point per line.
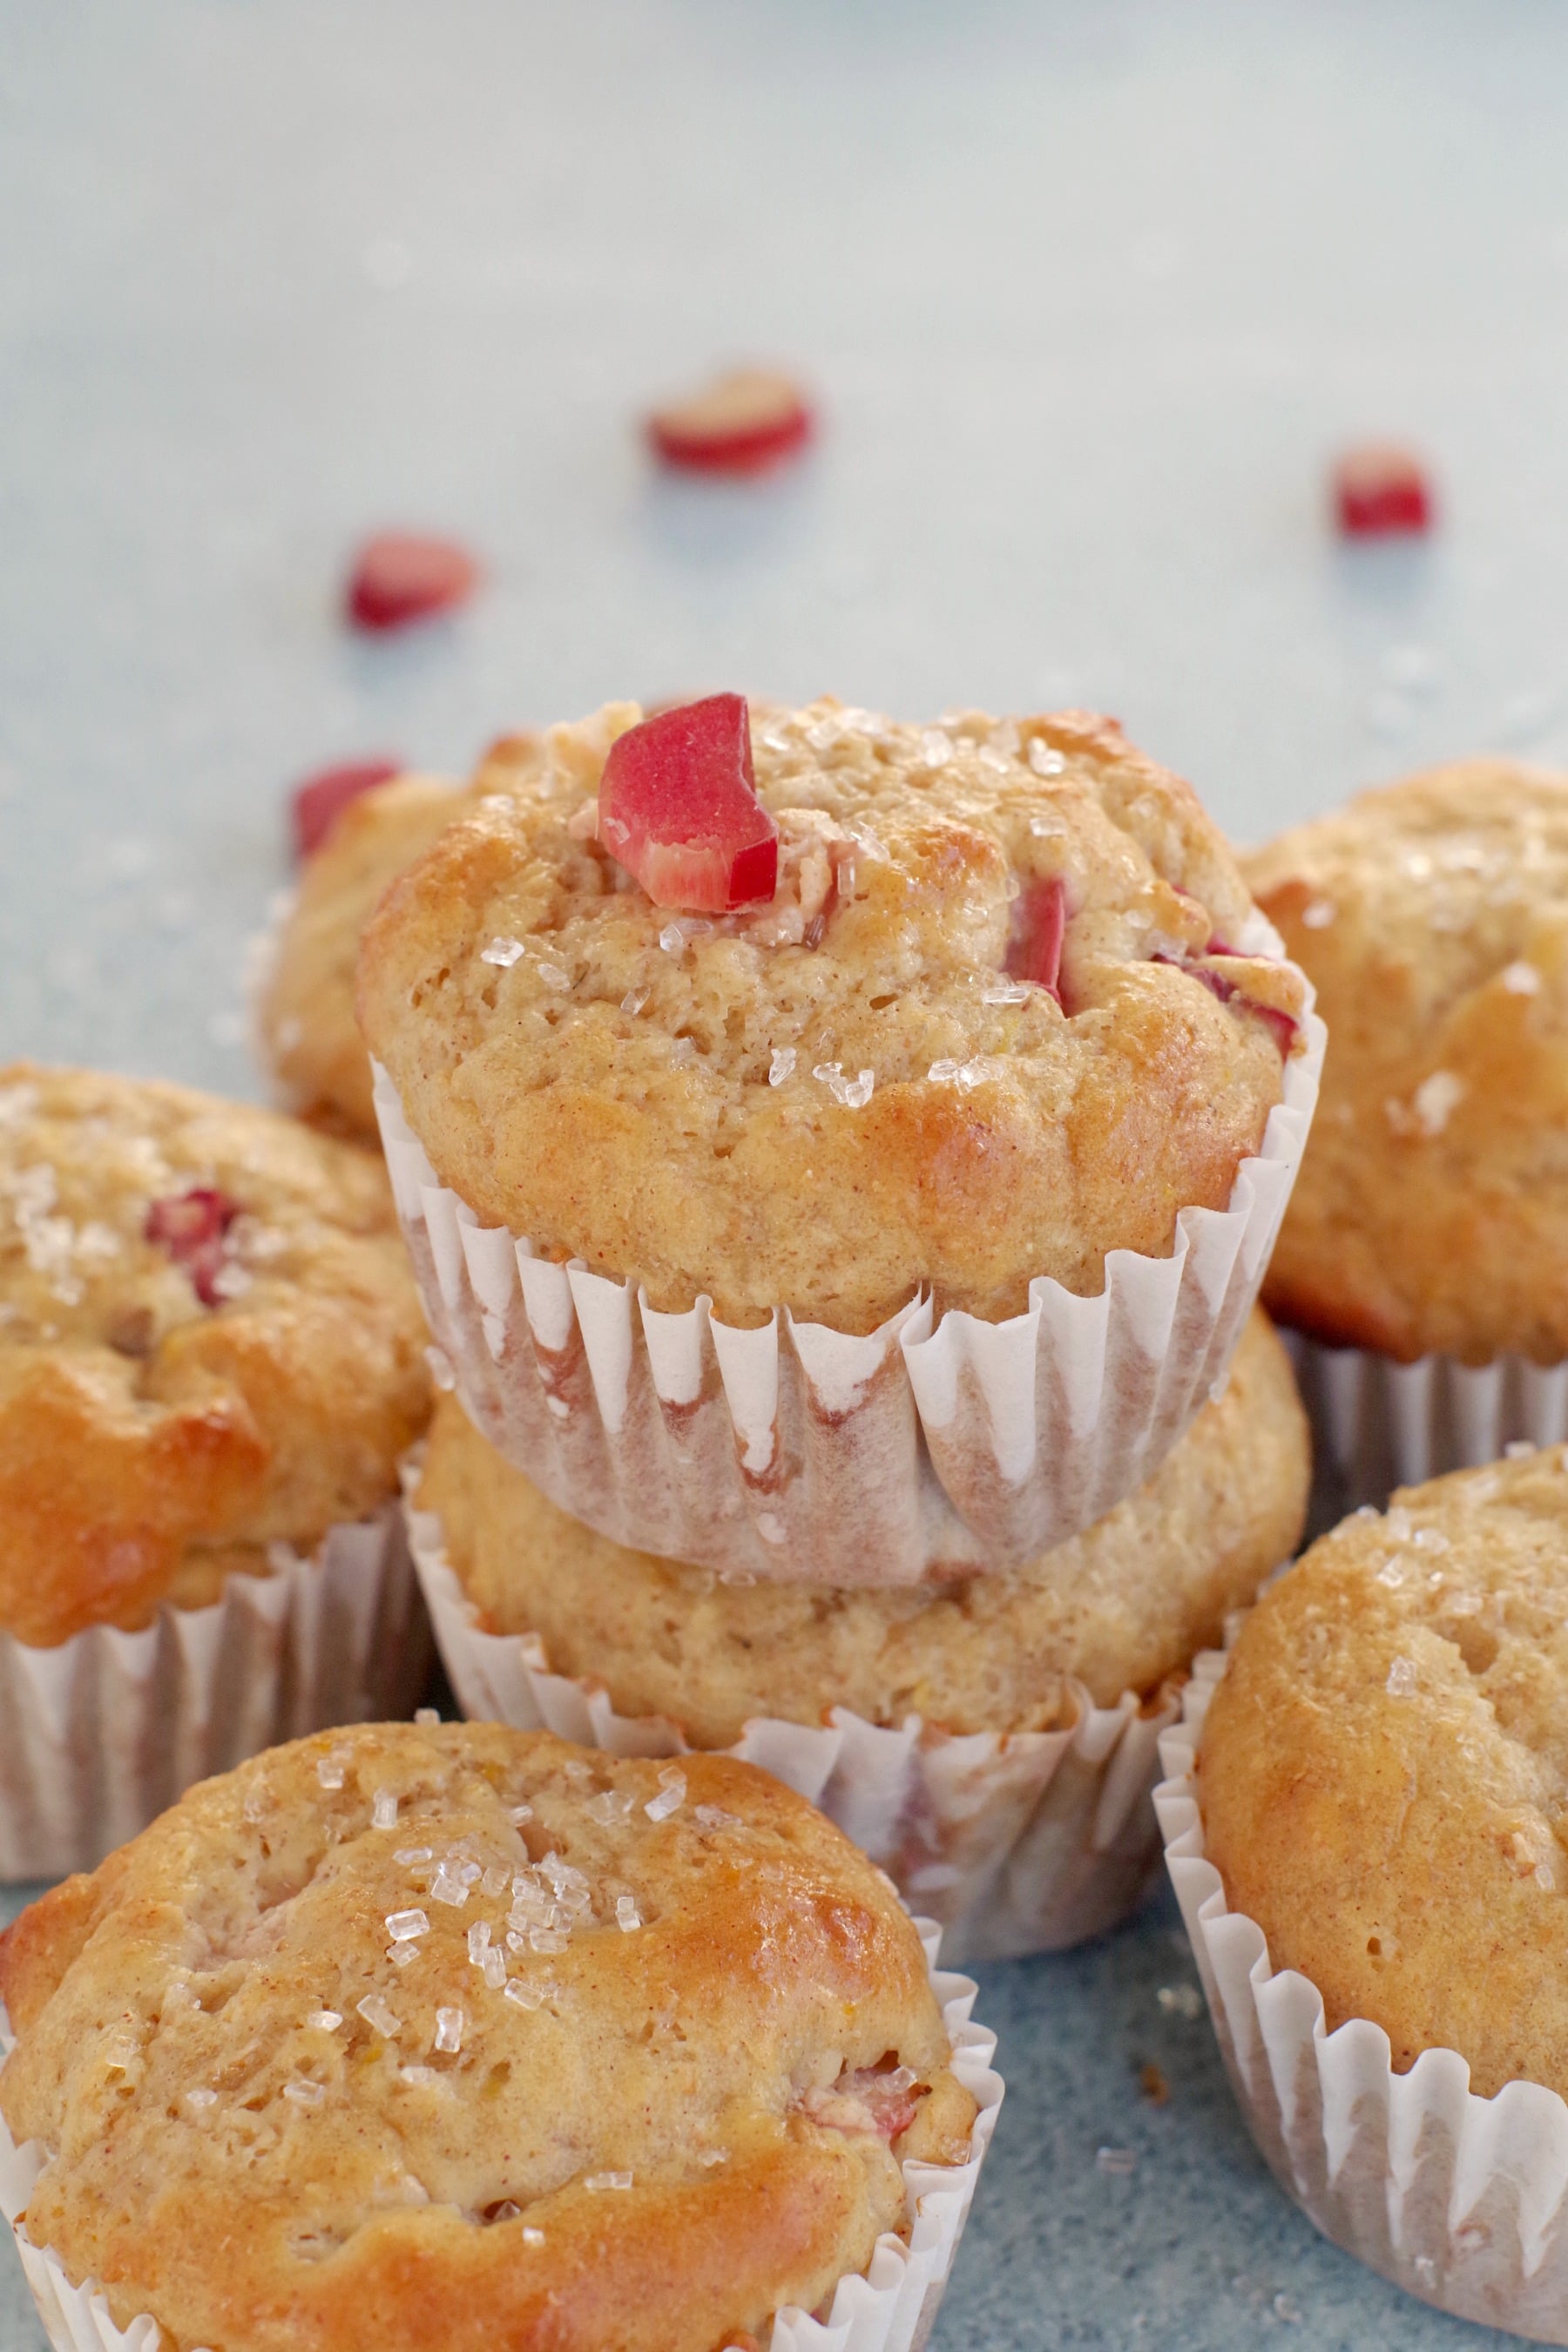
x=1378 y=1423
x=1012 y=1842
x=889 y=2305
x=929 y=1447
x=1460 y=2198
x=100 y=1733
x=894 y=1215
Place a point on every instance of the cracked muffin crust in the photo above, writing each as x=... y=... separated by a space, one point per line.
x=308 y=1037
x=843 y=1094
x=209 y=1342
x=1383 y=1772
x=444 y=2037
x=1431 y=1211
x=1119 y=1608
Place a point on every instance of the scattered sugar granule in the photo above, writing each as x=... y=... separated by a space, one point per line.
x=683 y=1053
x=478 y=1943
x=781 y=1065
x=714 y=1817
x=1044 y=761
x=1430 y=1539
x=554 y=976
x=427 y=1717
x=633 y=1000
x=494 y=1968
x=378 y=2015
x=331 y=1770
x=471 y=1872
x=852 y=1094
x=519 y=1814
x=505 y=2211
x=1117 y=2161
x=409 y=1856
x=201 y=2100
x=325 y=2020
x=448 y=2037
x=304 y=2093
x=448 y=1886
x=502 y=951
x=531 y=2234
x=404 y=1925
x=1403 y=1681
x=671 y=1794
x=548 y=1939
x=424 y=2078
x=936 y=749
x=944 y=1073
x=611 y=1805
x=606 y=2180
x=383 y=1810
x=1521 y=980
x=1435 y=1100
x=497 y=1879
x=1318 y=914
x=672 y=939
x=627 y=1916
x=527 y=1994
x=402 y=1956
x=1012 y=991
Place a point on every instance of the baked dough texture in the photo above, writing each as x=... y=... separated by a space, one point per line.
x=832 y=1100
x=308 y=1035
x=150 y=1444
x=1431 y=1211
x=1383 y=1772
x=1119 y=1608
x=633 y=2087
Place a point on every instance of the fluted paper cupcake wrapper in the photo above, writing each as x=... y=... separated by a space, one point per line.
x=1378 y=1424
x=1017 y=1842
x=99 y=1735
x=890 y=2306
x=1460 y=2199
x=797 y=1451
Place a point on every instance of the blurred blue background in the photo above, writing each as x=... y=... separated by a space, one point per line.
x=1090 y=294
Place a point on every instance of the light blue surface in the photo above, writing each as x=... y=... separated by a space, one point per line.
x=1090 y=292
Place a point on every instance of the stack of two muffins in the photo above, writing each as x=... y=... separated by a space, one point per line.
x=839 y=1246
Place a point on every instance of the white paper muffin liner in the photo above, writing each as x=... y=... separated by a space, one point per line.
x=100 y=1733
x=890 y=2306
x=1016 y=1841
x=1460 y=2199
x=1378 y=1424
x=928 y=1448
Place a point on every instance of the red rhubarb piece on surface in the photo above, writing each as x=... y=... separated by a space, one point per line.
x=1035 y=946
x=1381 y=490
x=320 y=799
x=192 y=1227
x=679 y=808
x=398 y=578
x=739 y=424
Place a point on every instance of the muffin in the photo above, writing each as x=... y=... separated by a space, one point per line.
x=1005 y=1014
x=211 y=1362
x=308 y=1039
x=1377 y=1799
x=1077 y=1655
x=449 y=2036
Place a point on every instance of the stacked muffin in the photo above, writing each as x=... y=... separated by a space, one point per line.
x=838 y=1169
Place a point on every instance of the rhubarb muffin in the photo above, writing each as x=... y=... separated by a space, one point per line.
x=307 y=1036
x=1382 y=1769
x=1122 y=1607
x=1431 y=1215
x=210 y=1346
x=858 y=1011
x=446 y=2037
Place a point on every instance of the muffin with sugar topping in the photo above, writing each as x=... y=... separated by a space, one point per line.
x=210 y=1345
x=1383 y=1771
x=1431 y=1215
x=447 y=2036
x=892 y=1008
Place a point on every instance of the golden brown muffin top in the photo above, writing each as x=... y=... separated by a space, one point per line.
x=451 y=2036
x=1431 y=1213
x=1118 y=1608
x=209 y=1342
x=1383 y=1772
x=309 y=1037
x=840 y=1095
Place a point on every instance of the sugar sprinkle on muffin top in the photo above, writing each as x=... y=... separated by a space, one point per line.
x=442 y=2035
x=867 y=1083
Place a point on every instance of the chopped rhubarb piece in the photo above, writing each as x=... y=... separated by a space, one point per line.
x=739 y=424
x=679 y=808
x=1283 y=1024
x=398 y=578
x=1380 y=490
x=320 y=799
x=192 y=1226
x=1035 y=947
